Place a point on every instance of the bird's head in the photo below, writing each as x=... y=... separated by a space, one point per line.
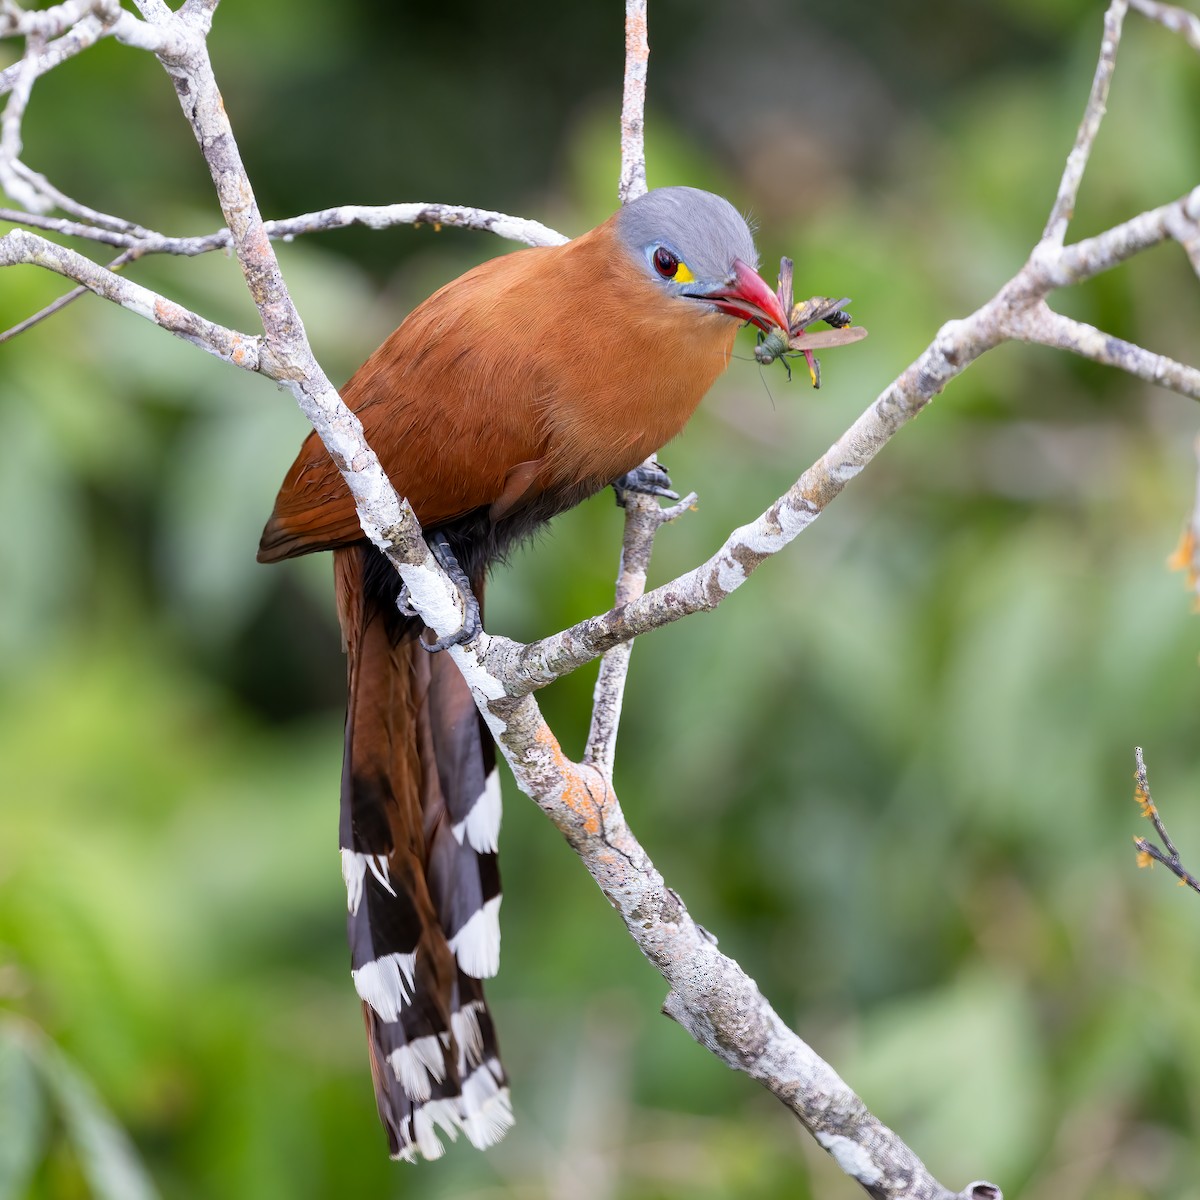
x=697 y=247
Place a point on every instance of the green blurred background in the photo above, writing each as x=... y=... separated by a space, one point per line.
x=892 y=774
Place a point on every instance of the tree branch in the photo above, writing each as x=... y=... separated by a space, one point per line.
x=643 y=519
x=710 y=995
x=1177 y=20
x=1072 y=177
x=241 y=349
x=98 y=227
x=1148 y=852
x=633 y=103
x=643 y=515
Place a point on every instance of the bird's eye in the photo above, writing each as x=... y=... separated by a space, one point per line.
x=665 y=263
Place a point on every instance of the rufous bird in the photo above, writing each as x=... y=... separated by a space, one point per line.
x=510 y=395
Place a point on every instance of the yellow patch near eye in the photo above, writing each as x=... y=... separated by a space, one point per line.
x=683 y=275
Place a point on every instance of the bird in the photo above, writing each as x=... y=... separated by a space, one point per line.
x=511 y=394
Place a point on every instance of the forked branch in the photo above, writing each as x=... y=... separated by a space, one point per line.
x=1148 y=852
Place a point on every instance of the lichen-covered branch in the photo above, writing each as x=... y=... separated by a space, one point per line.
x=710 y=995
x=632 y=182
x=1148 y=852
x=241 y=349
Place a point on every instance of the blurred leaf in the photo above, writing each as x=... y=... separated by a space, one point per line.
x=963 y=1070
x=23 y=1114
x=109 y=1162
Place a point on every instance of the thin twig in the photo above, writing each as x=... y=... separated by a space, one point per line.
x=58 y=305
x=85 y=217
x=643 y=519
x=113 y=231
x=1093 y=114
x=10 y=128
x=1177 y=20
x=85 y=33
x=643 y=516
x=1147 y=851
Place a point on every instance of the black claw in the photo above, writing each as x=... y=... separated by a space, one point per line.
x=472 y=626
x=647 y=480
x=404 y=602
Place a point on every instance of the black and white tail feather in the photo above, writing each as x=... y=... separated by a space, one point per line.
x=420 y=820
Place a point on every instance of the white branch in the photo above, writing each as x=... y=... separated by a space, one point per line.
x=1068 y=188
x=633 y=102
x=241 y=349
x=113 y=231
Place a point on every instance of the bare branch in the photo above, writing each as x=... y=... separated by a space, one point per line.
x=1056 y=267
x=643 y=519
x=56 y=306
x=1148 y=852
x=1041 y=325
x=86 y=32
x=241 y=349
x=633 y=103
x=87 y=21
x=642 y=513
x=1093 y=114
x=52 y=22
x=1185 y=230
x=113 y=231
x=10 y=126
x=1178 y=20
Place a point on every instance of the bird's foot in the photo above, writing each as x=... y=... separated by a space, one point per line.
x=404 y=602
x=650 y=479
x=472 y=626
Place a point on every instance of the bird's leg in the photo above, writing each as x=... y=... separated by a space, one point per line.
x=650 y=479
x=404 y=602
x=439 y=547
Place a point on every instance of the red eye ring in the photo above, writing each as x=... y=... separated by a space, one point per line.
x=665 y=263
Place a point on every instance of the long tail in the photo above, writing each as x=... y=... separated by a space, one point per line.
x=420 y=816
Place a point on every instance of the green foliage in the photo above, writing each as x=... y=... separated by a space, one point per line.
x=893 y=774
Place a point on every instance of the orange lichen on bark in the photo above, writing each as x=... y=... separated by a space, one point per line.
x=1142 y=798
x=575 y=793
x=1186 y=557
